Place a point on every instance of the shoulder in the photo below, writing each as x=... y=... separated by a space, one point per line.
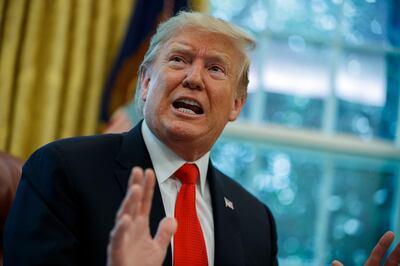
x=79 y=148
x=72 y=156
x=86 y=144
x=236 y=190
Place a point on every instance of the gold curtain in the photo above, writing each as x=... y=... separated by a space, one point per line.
x=54 y=59
x=200 y=5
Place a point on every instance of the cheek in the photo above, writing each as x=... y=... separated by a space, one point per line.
x=174 y=80
x=166 y=83
x=159 y=96
x=153 y=99
x=156 y=89
x=222 y=98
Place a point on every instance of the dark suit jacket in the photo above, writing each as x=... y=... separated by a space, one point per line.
x=70 y=192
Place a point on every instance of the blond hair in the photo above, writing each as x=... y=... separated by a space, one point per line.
x=205 y=23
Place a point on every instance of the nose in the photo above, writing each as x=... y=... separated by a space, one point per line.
x=194 y=78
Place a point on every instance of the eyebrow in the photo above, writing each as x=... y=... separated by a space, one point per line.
x=212 y=55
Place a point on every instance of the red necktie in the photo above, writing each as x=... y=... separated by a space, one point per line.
x=189 y=245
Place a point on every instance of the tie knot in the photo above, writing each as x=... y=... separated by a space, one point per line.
x=188 y=173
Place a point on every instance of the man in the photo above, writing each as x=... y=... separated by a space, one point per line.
x=193 y=82
x=71 y=190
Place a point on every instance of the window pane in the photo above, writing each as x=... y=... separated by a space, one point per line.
x=296 y=77
x=273 y=176
x=294 y=111
x=294 y=67
x=365 y=21
x=359 y=216
x=361 y=78
x=368 y=91
x=316 y=19
x=347 y=199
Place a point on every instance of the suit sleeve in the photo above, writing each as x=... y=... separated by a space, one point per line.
x=42 y=226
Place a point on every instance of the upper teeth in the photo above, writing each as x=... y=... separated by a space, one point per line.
x=191 y=102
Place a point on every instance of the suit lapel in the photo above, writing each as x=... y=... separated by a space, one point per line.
x=133 y=152
x=228 y=242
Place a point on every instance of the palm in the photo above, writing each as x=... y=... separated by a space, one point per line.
x=131 y=243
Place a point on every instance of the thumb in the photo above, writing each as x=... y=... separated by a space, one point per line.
x=166 y=229
x=336 y=263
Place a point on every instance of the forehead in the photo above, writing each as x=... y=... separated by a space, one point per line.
x=205 y=43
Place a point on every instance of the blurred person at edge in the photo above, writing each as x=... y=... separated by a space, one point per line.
x=89 y=201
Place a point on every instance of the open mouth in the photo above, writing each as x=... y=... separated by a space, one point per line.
x=188 y=106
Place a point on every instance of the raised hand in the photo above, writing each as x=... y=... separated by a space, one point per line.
x=130 y=242
x=377 y=254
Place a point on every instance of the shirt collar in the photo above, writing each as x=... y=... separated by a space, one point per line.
x=166 y=162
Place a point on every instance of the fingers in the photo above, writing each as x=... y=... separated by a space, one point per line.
x=128 y=202
x=377 y=254
x=336 y=263
x=118 y=233
x=147 y=181
x=136 y=177
x=148 y=192
x=380 y=249
x=165 y=231
x=140 y=193
x=394 y=257
x=132 y=202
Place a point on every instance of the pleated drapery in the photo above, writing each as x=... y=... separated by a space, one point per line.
x=54 y=59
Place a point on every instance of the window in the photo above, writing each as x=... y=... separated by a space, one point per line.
x=319 y=140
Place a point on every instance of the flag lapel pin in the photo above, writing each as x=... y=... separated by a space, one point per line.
x=228 y=204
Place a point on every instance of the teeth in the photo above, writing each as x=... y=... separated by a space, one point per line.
x=187 y=111
x=191 y=102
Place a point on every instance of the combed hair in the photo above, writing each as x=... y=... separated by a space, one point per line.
x=201 y=22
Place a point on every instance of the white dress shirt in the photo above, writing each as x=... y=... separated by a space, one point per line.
x=165 y=163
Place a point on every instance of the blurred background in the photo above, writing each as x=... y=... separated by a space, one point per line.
x=318 y=140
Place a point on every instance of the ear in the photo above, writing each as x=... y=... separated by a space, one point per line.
x=144 y=84
x=237 y=106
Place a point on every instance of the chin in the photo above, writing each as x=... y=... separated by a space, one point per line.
x=182 y=129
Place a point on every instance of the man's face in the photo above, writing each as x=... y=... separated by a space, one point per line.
x=190 y=90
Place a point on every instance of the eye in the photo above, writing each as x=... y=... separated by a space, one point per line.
x=217 y=69
x=177 y=59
